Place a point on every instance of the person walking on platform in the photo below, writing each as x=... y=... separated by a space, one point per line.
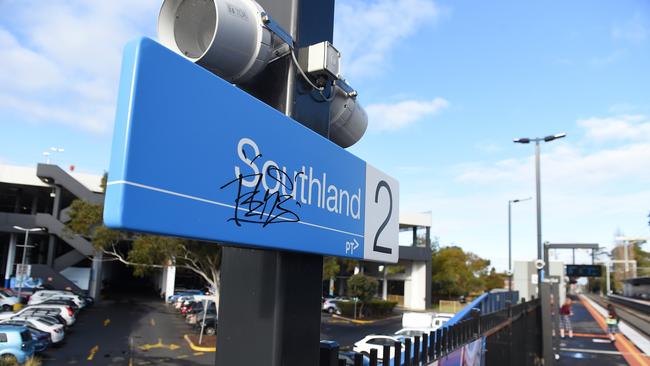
x=612 y=322
x=565 y=318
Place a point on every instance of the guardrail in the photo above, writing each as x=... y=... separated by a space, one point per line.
x=425 y=349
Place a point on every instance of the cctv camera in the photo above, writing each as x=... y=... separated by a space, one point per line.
x=348 y=120
x=226 y=37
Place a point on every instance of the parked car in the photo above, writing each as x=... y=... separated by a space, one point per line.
x=48 y=314
x=195 y=316
x=209 y=327
x=7 y=299
x=172 y=299
x=63 y=311
x=54 y=329
x=331 y=306
x=42 y=340
x=16 y=344
x=377 y=342
x=44 y=295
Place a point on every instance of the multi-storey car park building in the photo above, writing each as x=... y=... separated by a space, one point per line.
x=41 y=197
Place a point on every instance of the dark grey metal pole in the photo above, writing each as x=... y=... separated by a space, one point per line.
x=510 y=250
x=270 y=301
x=538 y=197
x=544 y=295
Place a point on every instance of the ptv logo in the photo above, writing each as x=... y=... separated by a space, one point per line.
x=351 y=246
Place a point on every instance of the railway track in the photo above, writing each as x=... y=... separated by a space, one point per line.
x=634 y=317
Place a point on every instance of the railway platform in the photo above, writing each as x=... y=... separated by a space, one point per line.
x=590 y=345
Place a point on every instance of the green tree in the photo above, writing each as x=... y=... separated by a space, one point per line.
x=456 y=273
x=331 y=267
x=363 y=287
x=493 y=280
x=144 y=252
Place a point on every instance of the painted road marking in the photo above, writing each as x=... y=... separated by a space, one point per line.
x=92 y=353
x=160 y=344
x=199 y=353
x=153 y=322
x=107 y=322
x=183 y=356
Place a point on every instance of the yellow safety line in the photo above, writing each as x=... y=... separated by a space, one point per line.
x=621 y=340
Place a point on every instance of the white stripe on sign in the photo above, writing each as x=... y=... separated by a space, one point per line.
x=204 y=200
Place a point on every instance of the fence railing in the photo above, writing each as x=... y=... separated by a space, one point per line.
x=422 y=350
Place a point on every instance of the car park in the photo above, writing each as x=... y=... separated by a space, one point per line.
x=16 y=344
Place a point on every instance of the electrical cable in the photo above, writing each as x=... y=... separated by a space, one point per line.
x=304 y=75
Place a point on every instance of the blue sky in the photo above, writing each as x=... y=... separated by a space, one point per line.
x=447 y=85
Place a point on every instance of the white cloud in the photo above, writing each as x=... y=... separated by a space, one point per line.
x=593 y=182
x=635 y=30
x=401 y=114
x=61 y=60
x=625 y=127
x=366 y=31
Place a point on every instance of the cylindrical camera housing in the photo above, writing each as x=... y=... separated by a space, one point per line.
x=348 y=120
x=226 y=37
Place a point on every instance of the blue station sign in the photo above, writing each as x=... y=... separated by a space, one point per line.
x=194 y=156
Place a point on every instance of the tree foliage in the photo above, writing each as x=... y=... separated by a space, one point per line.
x=331 y=267
x=363 y=287
x=457 y=273
x=494 y=280
x=142 y=251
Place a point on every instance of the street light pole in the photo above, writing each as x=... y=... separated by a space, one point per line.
x=25 y=246
x=543 y=292
x=510 y=202
x=538 y=194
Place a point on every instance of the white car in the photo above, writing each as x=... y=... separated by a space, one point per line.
x=378 y=342
x=7 y=300
x=43 y=295
x=55 y=330
x=64 y=311
x=414 y=332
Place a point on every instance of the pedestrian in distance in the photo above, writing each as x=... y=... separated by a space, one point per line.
x=565 y=318
x=612 y=322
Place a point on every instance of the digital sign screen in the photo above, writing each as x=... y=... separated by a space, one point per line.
x=584 y=270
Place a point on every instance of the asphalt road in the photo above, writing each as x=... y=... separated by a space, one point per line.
x=137 y=330
x=130 y=331
x=346 y=333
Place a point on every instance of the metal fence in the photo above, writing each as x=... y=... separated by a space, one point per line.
x=511 y=338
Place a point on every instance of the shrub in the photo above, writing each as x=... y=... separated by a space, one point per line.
x=372 y=308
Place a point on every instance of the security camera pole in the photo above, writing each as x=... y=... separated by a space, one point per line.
x=270 y=300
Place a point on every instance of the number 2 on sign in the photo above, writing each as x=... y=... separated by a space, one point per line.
x=376 y=247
